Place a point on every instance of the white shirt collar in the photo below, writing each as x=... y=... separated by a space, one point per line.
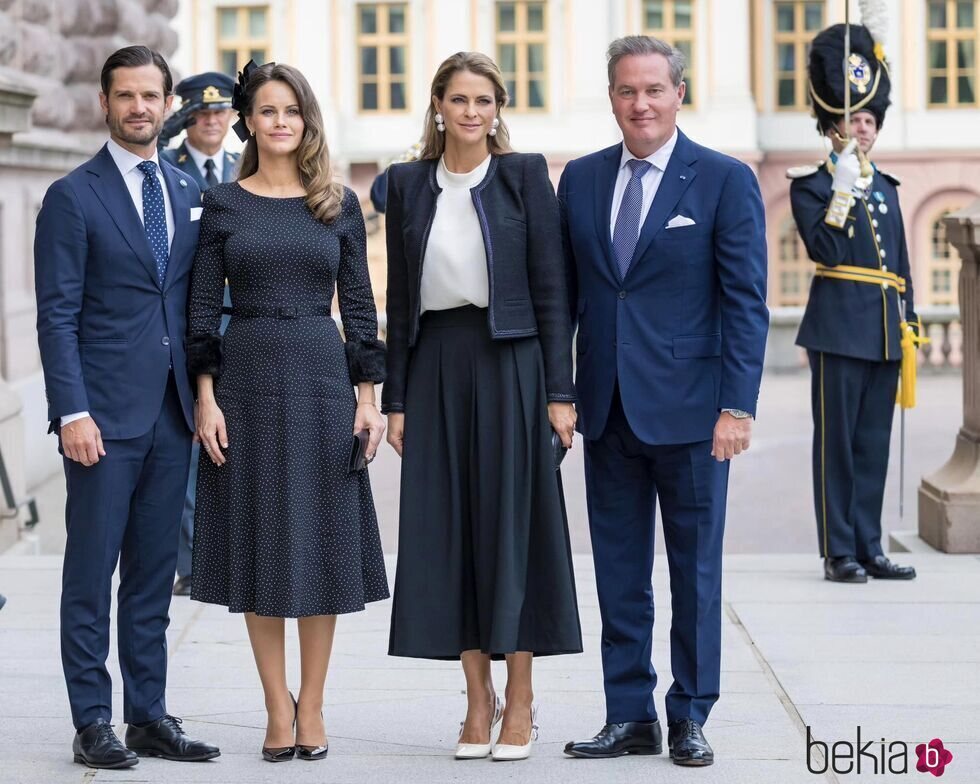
x=125 y=160
x=659 y=159
x=199 y=157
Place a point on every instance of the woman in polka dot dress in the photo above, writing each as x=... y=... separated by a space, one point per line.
x=282 y=530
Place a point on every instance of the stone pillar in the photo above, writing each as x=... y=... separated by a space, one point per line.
x=949 y=500
x=16 y=102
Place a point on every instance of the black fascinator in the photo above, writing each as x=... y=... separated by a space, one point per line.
x=239 y=97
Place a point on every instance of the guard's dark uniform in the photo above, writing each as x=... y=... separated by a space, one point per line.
x=851 y=330
x=852 y=327
x=180 y=157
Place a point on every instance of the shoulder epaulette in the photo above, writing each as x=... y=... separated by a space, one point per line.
x=890 y=177
x=798 y=172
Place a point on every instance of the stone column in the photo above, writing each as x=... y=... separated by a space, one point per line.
x=949 y=500
x=15 y=109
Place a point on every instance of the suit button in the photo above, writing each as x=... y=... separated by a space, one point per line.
x=165 y=340
x=622 y=295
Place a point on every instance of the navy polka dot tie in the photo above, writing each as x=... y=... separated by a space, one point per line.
x=155 y=218
x=627 y=229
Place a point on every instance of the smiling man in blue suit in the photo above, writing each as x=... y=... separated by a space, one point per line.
x=112 y=255
x=666 y=250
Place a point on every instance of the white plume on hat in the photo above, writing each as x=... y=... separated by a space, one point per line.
x=874 y=16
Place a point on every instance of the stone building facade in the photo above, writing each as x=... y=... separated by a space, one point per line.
x=51 y=54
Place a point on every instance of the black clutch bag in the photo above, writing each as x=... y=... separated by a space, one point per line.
x=358 y=451
x=558 y=449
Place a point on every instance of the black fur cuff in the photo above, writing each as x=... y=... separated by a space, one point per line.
x=366 y=360
x=203 y=355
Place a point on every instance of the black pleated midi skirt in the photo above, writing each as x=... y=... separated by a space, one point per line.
x=484 y=561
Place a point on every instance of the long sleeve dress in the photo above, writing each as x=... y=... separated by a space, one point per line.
x=282 y=529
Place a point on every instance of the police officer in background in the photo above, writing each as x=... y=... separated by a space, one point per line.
x=849 y=218
x=206 y=109
x=206 y=113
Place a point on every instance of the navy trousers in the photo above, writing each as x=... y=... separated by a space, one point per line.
x=125 y=509
x=624 y=478
x=853 y=406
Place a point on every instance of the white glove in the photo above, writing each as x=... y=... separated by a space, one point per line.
x=847 y=174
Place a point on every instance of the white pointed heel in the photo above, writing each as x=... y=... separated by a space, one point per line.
x=480 y=750
x=503 y=753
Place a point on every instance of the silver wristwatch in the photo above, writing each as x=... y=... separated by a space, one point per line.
x=737 y=413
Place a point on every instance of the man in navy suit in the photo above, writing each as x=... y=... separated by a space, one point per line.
x=113 y=250
x=665 y=243
x=206 y=112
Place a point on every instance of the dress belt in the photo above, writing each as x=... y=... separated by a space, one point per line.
x=862 y=275
x=280 y=311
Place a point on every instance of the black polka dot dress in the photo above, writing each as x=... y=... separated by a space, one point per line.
x=282 y=529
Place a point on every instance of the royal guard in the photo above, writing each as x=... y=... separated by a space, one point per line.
x=860 y=327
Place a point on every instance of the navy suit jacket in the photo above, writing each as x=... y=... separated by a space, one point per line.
x=180 y=157
x=684 y=334
x=109 y=334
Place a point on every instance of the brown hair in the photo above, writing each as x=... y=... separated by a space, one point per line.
x=135 y=57
x=434 y=141
x=323 y=195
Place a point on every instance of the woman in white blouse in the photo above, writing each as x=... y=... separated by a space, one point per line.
x=479 y=376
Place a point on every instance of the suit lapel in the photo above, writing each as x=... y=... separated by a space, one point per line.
x=110 y=187
x=179 y=205
x=676 y=179
x=605 y=184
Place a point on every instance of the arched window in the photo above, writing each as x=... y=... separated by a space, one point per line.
x=794 y=270
x=944 y=264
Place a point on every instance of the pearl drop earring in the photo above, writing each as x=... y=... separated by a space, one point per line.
x=440 y=125
x=493 y=128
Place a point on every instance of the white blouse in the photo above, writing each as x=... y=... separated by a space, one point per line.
x=454 y=270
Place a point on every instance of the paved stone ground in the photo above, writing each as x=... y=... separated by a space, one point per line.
x=900 y=660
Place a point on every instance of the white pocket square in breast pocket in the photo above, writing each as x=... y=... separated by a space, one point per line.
x=679 y=220
x=196 y=213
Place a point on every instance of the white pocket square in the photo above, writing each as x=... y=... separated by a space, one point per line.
x=679 y=220
x=196 y=213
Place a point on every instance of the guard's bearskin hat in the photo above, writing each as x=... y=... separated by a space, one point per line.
x=867 y=76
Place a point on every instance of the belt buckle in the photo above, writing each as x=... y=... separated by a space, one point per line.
x=286 y=312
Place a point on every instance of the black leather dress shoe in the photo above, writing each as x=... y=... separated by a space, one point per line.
x=881 y=568
x=687 y=744
x=98 y=747
x=165 y=738
x=183 y=586
x=615 y=740
x=844 y=569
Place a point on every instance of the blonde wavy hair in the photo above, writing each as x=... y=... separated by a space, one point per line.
x=434 y=141
x=323 y=195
